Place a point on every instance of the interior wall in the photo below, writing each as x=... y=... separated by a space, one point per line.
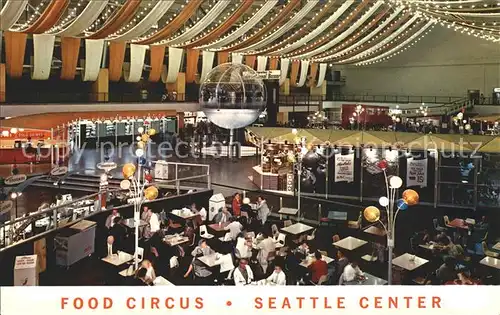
x=443 y=63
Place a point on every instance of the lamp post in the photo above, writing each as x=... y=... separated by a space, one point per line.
x=392 y=207
x=357 y=113
x=136 y=185
x=301 y=142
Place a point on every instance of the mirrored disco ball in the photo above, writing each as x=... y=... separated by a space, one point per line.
x=232 y=96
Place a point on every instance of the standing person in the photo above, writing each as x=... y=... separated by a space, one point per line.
x=110 y=220
x=146 y=217
x=262 y=209
x=119 y=233
x=236 y=204
x=267 y=248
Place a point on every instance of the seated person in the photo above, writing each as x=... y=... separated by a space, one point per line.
x=110 y=219
x=303 y=249
x=446 y=272
x=246 y=209
x=243 y=274
x=201 y=271
x=110 y=248
x=278 y=277
x=351 y=272
x=318 y=268
x=150 y=271
x=234 y=228
x=340 y=265
x=243 y=247
x=223 y=216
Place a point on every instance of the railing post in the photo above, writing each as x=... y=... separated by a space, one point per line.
x=209 y=180
x=54 y=218
x=177 y=180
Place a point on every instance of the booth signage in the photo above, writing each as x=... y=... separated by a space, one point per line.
x=6 y=206
x=344 y=168
x=496 y=90
x=59 y=170
x=107 y=166
x=15 y=179
x=416 y=172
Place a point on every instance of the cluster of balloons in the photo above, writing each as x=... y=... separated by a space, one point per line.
x=410 y=198
x=128 y=171
x=143 y=139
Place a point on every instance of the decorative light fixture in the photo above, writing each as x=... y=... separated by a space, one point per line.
x=392 y=206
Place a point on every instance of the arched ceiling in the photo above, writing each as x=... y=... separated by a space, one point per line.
x=357 y=32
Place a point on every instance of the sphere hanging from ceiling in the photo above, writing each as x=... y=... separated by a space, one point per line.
x=232 y=96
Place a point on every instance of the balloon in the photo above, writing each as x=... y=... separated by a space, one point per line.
x=411 y=197
x=142 y=161
x=125 y=184
x=141 y=144
x=149 y=178
x=371 y=214
x=151 y=132
x=291 y=157
x=310 y=159
x=382 y=164
x=383 y=201
x=128 y=170
x=395 y=182
x=402 y=205
x=145 y=137
x=151 y=193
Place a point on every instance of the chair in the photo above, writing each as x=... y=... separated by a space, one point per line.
x=437 y=227
x=488 y=252
x=174 y=262
x=204 y=233
x=312 y=236
x=321 y=280
x=280 y=242
x=140 y=254
x=355 y=224
x=275 y=231
x=447 y=221
x=287 y=223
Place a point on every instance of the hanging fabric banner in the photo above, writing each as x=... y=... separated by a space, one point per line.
x=344 y=168
x=236 y=58
x=207 y=64
x=285 y=62
x=322 y=74
x=416 y=172
x=304 y=68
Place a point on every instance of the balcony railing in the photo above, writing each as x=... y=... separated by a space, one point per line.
x=85 y=98
x=397 y=98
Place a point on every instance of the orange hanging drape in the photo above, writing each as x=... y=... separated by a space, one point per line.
x=273 y=63
x=157 y=56
x=294 y=72
x=250 y=61
x=123 y=16
x=70 y=48
x=49 y=17
x=116 y=58
x=222 y=57
x=15 y=47
x=192 y=56
x=312 y=75
x=172 y=27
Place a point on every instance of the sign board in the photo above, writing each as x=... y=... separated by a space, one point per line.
x=496 y=90
x=6 y=206
x=269 y=74
x=344 y=168
x=416 y=173
x=59 y=170
x=15 y=179
x=26 y=271
x=107 y=166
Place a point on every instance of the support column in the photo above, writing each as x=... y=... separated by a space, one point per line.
x=100 y=88
x=318 y=91
x=283 y=117
x=178 y=87
x=285 y=87
x=2 y=83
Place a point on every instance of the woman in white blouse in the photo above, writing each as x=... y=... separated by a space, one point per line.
x=243 y=274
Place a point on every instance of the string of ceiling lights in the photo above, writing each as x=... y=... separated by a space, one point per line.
x=73 y=12
x=37 y=12
x=111 y=9
x=141 y=14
